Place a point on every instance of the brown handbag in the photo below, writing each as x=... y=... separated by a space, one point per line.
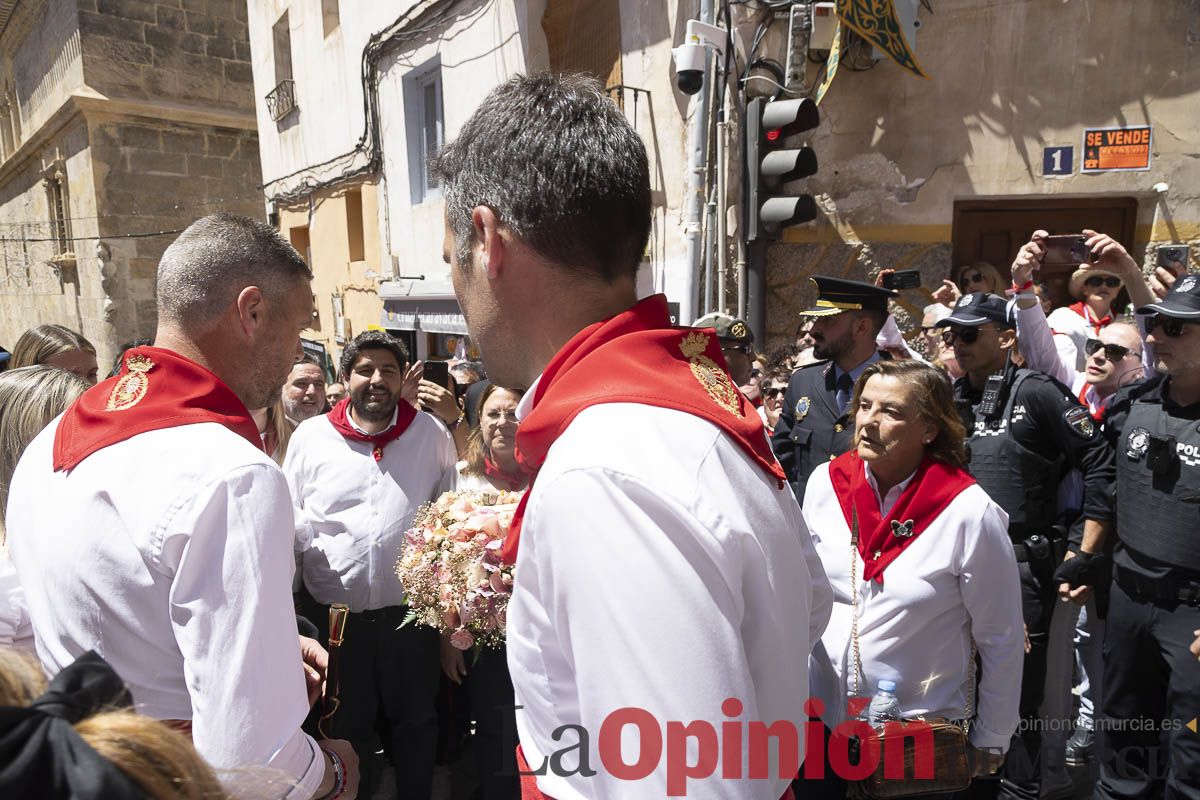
x=951 y=767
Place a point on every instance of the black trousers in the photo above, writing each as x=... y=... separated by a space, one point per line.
x=1151 y=692
x=492 y=705
x=388 y=686
x=1021 y=778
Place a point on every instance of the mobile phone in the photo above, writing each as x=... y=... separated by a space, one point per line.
x=1169 y=254
x=436 y=372
x=903 y=279
x=1069 y=249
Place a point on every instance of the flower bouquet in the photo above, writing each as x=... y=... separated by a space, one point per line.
x=451 y=570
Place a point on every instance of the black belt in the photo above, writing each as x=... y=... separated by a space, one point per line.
x=385 y=614
x=1168 y=589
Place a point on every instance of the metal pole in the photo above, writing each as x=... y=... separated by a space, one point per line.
x=722 y=205
x=706 y=274
x=739 y=268
x=756 y=289
x=697 y=151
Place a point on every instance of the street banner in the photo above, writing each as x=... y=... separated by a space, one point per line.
x=877 y=22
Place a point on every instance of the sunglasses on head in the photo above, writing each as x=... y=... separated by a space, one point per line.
x=1169 y=326
x=965 y=335
x=1095 y=281
x=1113 y=352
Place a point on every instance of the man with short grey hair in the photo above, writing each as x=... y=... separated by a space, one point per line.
x=147 y=523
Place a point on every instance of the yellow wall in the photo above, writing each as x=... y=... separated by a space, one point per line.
x=329 y=257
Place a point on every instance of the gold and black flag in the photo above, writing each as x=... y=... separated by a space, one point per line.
x=877 y=22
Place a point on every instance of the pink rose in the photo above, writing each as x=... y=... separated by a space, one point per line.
x=462 y=639
x=461 y=509
x=497 y=582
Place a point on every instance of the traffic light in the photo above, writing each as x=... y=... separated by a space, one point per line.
x=770 y=164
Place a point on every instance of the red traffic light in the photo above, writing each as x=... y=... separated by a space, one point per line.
x=773 y=134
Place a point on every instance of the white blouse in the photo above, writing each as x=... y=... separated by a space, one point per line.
x=956 y=581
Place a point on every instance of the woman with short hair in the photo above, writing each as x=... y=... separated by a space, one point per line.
x=56 y=346
x=921 y=566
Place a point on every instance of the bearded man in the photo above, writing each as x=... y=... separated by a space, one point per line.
x=358 y=475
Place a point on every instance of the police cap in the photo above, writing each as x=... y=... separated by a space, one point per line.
x=835 y=295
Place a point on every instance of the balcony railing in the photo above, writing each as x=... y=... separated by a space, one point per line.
x=282 y=100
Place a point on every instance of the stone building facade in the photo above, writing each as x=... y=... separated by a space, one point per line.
x=122 y=121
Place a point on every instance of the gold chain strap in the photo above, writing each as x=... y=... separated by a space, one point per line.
x=968 y=708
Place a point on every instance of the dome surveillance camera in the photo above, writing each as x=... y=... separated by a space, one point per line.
x=689 y=67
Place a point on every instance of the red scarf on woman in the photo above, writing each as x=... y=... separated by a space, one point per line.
x=155 y=389
x=339 y=418
x=1085 y=311
x=636 y=357
x=882 y=539
x=501 y=479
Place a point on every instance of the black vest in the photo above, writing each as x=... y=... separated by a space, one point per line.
x=1159 y=515
x=1017 y=479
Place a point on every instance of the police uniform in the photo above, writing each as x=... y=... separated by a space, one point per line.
x=1151 y=680
x=811 y=429
x=1022 y=439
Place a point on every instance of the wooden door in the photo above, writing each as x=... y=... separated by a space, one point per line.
x=993 y=230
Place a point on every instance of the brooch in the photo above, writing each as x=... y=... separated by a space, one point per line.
x=903 y=530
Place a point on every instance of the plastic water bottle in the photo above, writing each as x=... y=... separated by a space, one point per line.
x=884 y=705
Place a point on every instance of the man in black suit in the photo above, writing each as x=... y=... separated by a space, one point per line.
x=816 y=423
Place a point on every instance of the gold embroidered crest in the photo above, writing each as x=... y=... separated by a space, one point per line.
x=738 y=330
x=714 y=379
x=132 y=387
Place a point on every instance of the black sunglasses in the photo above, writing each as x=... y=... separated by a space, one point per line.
x=773 y=392
x=1110 y=281
x=1113 y=352
x=976 y=277
x=967 y=335
x=1171 y=327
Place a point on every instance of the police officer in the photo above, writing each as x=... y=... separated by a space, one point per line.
x=1025 y=431
x=1151 y=674
x=816 y=424
x=737 y=343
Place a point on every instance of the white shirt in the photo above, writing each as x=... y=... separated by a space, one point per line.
x=15 y=628
x=958 y=579
x=659 y=568
x=169 y=554
x=352 y=511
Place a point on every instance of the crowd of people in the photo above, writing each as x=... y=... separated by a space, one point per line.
x=707 y=535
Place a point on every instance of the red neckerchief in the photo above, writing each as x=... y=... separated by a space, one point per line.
x=1085 y=311
x=530 y=790
x=1098 y=414
x=512 y=481
x=880 y=541
x=636 y=357
x=155 y=389
x=339 y=418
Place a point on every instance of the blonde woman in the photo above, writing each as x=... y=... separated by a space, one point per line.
x=56 y=346
x=30 y=397
x=79 y=736
x=979 y=277
x=275 y=430
x=491 y=460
